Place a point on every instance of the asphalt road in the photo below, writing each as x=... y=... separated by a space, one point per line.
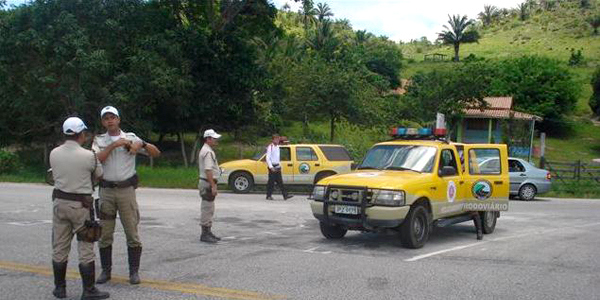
x=544 y=249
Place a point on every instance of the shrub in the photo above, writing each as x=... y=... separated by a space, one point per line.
x=595 y=99
x=9 y=162
x=576 y=57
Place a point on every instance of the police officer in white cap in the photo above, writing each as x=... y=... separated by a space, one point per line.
x=72 y=171
x=209 y=172
x=117 y=150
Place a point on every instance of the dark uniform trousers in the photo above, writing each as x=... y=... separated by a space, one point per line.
x=275 y=177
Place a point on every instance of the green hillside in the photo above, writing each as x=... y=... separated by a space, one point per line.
x=553 y=33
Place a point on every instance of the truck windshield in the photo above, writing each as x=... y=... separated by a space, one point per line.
x=400 y=157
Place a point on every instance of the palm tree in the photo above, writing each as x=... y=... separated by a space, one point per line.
x=323 y=11
x=489 y=14
x=362 y=36
x=523 y=10
x=308 y=13
x=461 y=31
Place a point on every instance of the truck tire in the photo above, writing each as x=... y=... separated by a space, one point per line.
x=488 y=219
x=332 y=231
x=414 y=231
x=527 y=192
x=241 y=182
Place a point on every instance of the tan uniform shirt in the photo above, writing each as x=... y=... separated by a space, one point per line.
x=72 y=167
x=207 y=160
x=119 y=165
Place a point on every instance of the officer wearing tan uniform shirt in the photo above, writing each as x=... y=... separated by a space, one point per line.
x=72 y=171
x=117 y=150
x=209 y=171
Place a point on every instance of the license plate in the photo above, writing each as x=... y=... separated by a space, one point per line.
x=347 y=210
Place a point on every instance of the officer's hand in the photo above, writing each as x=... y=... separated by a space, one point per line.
x=121 y=142
x=213 y=189
x=135 y=146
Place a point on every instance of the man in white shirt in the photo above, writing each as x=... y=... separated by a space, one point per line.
x=274 y=163
x=209 y=172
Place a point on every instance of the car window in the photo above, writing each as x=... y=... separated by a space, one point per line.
x=335 y=153
x=285 y=154
x=306 y=154
x=447 y=159
x=484 y=161
x=515 y=166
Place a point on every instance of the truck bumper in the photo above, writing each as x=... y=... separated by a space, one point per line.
x=373 y=217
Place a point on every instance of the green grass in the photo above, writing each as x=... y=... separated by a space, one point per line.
x=574 y=189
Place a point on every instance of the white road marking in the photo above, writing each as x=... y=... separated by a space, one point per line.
x=312 y=250
x=536 y=232
x=30 y=223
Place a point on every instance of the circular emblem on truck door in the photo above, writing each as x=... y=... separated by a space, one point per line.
x=304 y=168
x=451 y=192
x=482 y=189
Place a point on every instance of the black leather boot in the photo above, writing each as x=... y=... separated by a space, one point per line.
x=88 y=276
x=207 y=236
x=135 y=254
x=60 y=283
x=213 y=235
x=106 y=263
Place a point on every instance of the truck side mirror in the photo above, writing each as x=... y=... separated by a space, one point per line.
x=448 y=171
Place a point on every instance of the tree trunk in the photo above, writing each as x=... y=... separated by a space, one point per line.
x=456 y=48
x=305 y=125
x=181 y=141
x=46 y=155
x=195 y=148
x=332 y=127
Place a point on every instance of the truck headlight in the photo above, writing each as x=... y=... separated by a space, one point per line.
x=389 y=197
x=318 y=193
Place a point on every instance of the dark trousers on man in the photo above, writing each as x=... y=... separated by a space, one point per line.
x=275 y=177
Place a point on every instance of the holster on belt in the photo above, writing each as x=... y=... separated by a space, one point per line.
x=92 y=230
x=131 y=181
x=206 y=194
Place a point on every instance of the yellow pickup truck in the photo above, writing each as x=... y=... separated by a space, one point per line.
x=302 y=164
x=409 y=185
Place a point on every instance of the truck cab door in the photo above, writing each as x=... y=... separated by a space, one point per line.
x=449 y=185
x=486 y=176
x=287 y=163
x=307 y=165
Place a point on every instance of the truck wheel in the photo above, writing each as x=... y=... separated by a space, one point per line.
x=241 y=182
x=333 y=231
x=322 y=175
x=414 y=231
x=488 y=218
x=527 y=192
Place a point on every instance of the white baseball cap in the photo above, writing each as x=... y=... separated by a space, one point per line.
x=109 y=109
x=73 y=125
x=211 y=133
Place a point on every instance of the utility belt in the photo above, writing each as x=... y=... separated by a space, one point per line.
x=206 y=180
x=92 y=230
x=131 y=181
x=86 y=199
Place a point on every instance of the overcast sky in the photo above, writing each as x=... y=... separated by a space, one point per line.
x=398 y=19
x=403 y=19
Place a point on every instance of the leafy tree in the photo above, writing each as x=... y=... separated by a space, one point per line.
x=595 y=98
x=489 y=14
x=539 y=85
x=461 y=30
x=447 y=91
